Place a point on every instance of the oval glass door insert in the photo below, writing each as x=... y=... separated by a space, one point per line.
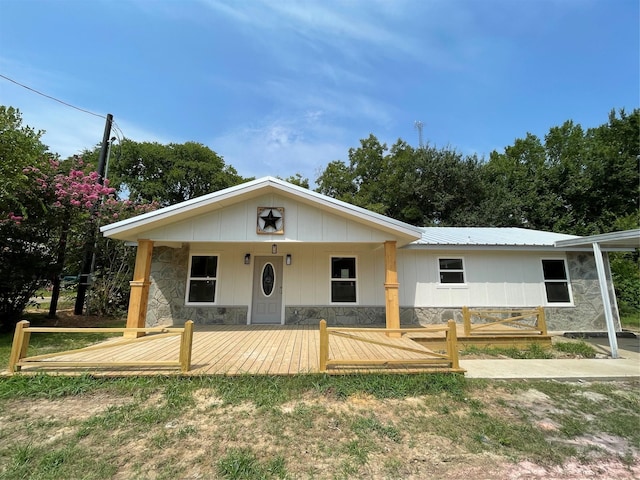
x=268 y=279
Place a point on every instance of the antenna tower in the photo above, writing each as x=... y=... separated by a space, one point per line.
x=418 y=124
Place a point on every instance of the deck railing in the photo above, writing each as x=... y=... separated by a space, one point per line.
x=22 y=336
x=515 y=319
x=447 y=361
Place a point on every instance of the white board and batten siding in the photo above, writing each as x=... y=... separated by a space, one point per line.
x=492 y=279
x=306 y=281
x=237 y=223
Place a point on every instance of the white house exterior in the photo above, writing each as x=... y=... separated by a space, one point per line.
x=271 y=252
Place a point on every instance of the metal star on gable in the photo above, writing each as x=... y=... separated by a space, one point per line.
x=270 y=220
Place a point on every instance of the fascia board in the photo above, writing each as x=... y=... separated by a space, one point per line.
x=521 y=248
x=627 y=239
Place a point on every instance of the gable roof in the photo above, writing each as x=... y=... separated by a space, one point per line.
x=131 y=228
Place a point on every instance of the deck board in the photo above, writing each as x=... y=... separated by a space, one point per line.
x=242 y=349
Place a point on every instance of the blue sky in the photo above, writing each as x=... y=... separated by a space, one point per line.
x=278 y=87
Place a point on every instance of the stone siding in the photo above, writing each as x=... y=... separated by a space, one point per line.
x=335 y=316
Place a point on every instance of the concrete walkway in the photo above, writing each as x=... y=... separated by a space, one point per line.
x=627 y=367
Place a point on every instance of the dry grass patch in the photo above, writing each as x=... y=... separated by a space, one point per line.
x=315 y=427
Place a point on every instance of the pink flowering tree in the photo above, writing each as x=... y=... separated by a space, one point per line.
x=61 y=200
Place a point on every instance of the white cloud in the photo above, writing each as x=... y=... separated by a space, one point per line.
x=281 y=147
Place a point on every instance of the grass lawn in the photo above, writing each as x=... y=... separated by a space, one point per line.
x=312 y=426
x=631 y=321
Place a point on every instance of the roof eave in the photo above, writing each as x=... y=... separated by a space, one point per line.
x=129 y=228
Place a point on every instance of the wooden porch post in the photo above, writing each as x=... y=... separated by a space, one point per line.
x=139 y=298
x=391 y=285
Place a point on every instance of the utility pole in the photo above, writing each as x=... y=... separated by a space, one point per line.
x=89 y=246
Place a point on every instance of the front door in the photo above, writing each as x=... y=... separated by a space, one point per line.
x=266 y=306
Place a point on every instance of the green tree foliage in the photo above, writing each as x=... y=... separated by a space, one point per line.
x=167 y=174
x=425 y=186
x=20 y=147
x=576 y=181
x=298 y=180
x=25 y=238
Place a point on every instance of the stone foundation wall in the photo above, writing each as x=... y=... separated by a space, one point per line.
x=335 y=316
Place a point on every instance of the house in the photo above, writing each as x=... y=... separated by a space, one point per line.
x=269 y=252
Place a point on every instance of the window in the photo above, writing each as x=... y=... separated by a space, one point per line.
x=203 y=278
x=343 y=280
x=451 y=270
x=556 y=282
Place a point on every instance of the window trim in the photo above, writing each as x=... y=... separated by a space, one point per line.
x=441 y=284
x=566 y=280
x=189 y=278
x=331 y=279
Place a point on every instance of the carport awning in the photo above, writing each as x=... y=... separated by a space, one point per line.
x=627 y=239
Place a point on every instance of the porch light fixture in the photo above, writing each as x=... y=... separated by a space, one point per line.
x=288 y=259
x=247 y=258
x=274 y=248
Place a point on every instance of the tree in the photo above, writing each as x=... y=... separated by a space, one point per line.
x=71 y=196
x=298 y=180
x=337 y=181
x=25 y=246
x=20 y=147
x=574 y=182
x=167 y=174
x=427 y=186
x=516 y=192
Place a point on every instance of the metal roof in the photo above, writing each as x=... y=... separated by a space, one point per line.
x=489 y=236
x=626 y=238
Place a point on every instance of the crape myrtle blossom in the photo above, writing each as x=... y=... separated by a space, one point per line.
x=77 y=191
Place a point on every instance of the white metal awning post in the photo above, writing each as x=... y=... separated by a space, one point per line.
x=625 y=241
x=606 y=300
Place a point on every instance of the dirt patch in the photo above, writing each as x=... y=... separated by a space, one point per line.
x=319 y=436
x=607 y=469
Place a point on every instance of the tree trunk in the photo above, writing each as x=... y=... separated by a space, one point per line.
x=62 y=252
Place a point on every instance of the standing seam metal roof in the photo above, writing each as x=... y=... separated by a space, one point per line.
x=489 y=236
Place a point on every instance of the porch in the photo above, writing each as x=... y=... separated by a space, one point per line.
x=246 y=350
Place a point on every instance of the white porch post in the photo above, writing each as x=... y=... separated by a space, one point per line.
x=604 y=291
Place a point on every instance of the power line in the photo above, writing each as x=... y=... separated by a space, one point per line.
x=52 y=98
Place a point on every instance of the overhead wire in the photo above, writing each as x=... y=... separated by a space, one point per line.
x=117 y=130
x=50 y=97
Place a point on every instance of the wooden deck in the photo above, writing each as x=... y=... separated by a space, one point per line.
x=238 y=350
x=502 y=336
x=277 y=350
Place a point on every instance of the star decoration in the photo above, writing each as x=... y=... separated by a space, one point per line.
x=270 y=220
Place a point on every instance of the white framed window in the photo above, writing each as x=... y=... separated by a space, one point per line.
x=451 y=271
x=202 y=279
x=556 y=281
x=344 y=280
